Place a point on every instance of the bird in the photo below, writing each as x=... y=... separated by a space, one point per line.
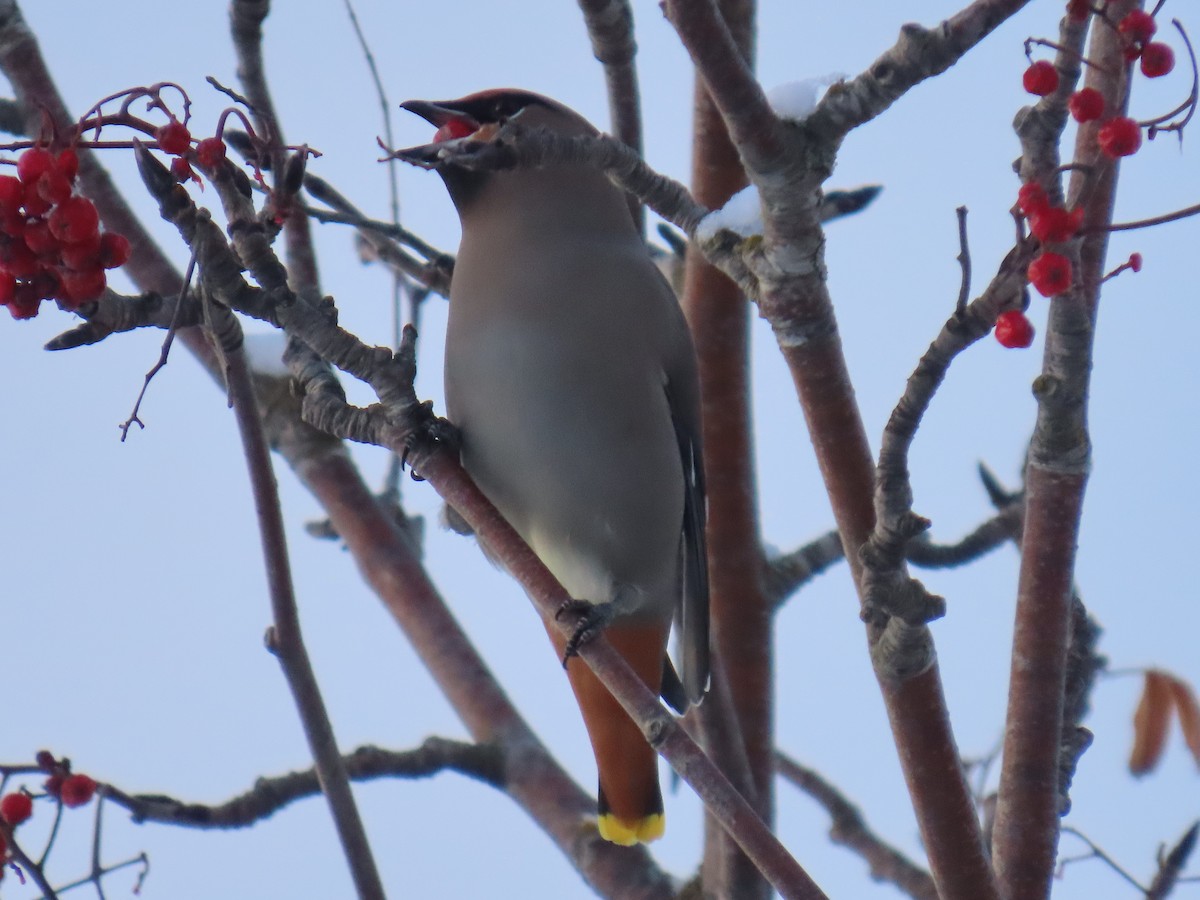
x=571 y=378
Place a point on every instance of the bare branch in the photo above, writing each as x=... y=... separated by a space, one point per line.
x=890 y=592
x=725 y=69
x=246 y=19
x=269 y=795
x=920 y=53
x=610 y=27
x=284 y=638
x=786 y=574
x=849 y=829
x=1171 y=864
x=434 y=272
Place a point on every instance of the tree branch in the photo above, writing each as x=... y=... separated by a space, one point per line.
x=284 y=638
x=482 y=762
x=849 y=829
x=610 y=27
x=742 y=625
x=1028 y=805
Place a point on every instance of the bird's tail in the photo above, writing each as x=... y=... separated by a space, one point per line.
x=630 y=801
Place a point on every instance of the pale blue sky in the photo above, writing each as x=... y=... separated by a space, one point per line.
x=130 y=576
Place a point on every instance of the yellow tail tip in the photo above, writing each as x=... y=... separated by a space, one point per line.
x=641 y=831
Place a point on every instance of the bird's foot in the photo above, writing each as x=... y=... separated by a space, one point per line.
x=431 y=430
x=592 y=619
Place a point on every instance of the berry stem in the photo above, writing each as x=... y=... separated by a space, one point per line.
x=1054 y=45
x=1188 y=106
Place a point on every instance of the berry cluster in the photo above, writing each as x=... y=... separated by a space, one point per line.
x=1120 y=135
x=1136 y=29
x=70 y=789
x=1050 y=273
x=175 y=139
x=51 y=247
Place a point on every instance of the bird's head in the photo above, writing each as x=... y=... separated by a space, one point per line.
x=478 y=118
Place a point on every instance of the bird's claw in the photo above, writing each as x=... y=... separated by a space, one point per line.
x=431 y=430
x=593 y=619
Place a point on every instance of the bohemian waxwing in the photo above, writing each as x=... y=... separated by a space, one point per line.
x=571 y=376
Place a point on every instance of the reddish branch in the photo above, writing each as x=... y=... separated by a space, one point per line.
x=788 y=164
x=1028 y=806
x=742 y=633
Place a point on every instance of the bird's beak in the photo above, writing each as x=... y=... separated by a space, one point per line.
x=451 y=123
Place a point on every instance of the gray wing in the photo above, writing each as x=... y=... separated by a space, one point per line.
x=692 y=622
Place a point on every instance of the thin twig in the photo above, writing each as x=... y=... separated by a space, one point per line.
x=163 y=355
x=20 y=857
x=1097 y=853
x=399 y=286
x=284 y=638
x=964 y=260
x=850 y=830
x=483 y=762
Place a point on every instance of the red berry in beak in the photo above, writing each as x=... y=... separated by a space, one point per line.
x=455 y=128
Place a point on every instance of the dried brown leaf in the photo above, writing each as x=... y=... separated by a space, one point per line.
x=1189 y=714
x=1151 y=722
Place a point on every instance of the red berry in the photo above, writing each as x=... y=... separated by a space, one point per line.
x=1041 y=78
x=53 y=784
x=84 y=255
x=1032 y=197
x=12 y=192
x=25 y=302
x=1053 y=224
x=1138 y=26
x=114 y=250
x=80 y=288
x=45 y=760
x=210 y=152
x=1086 y=104
x=1157 y=60
x=47 y=283
x=74 y=220
x=78 y=790
x=8 y=287
x=181 y=169
x=455 y=128
x=173 y=137
x=34 y=163
x=1078 y=10
x=35 y=204
x=39 y=239
x=1120 y=136
x=16 y=808
x=67 y=164
x=54 y=187
x=1135 y=261
x=1013 y=330
x=1050 y=273
x=18 y=259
